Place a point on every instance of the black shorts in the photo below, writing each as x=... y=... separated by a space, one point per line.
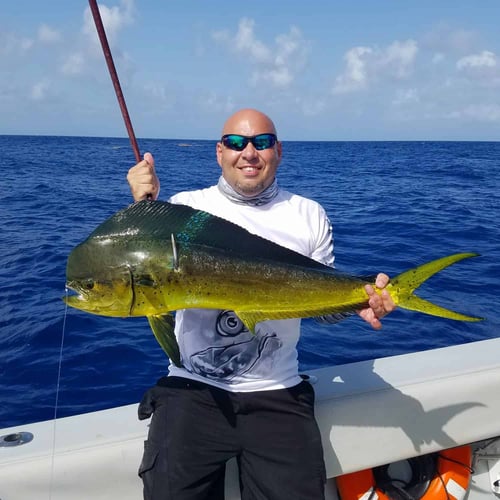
x=196 y=428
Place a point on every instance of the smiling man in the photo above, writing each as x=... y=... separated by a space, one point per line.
x=239 y=394
x=249 y=170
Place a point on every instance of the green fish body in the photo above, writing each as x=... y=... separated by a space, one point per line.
x=154 y=257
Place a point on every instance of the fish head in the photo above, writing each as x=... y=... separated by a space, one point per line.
x=97 y=283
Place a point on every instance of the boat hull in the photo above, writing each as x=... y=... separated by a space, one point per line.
x=370 y=413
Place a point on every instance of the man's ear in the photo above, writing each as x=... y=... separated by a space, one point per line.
x=218 y=153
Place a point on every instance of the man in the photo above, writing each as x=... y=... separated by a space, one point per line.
x=237 y=394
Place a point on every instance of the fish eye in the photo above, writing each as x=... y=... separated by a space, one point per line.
x=88 y=284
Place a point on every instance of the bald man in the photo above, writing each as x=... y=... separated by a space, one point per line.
x=238 y=394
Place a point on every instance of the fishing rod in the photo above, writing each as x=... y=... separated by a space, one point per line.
x=135 y=147
x=114 y=77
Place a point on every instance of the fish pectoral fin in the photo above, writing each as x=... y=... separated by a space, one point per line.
x=250 y=319
x=163 y=329
x=415 y=303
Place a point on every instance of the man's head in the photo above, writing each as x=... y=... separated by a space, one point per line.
x=252 y=169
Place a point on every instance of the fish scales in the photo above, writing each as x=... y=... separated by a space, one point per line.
x=153 y=258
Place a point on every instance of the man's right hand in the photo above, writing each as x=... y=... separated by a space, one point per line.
x=142 y=179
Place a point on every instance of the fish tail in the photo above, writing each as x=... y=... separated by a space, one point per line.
x=402 y=287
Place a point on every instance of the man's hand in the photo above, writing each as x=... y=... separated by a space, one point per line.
x=142 y=179
x=379 y=304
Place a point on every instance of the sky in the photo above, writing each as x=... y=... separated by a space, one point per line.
x=321 y=69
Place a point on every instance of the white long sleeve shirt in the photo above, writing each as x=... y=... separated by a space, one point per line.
x=215 y=346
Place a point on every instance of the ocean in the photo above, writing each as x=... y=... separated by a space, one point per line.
x=393 y=205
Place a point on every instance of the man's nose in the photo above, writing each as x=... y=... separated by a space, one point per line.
x=250 y=152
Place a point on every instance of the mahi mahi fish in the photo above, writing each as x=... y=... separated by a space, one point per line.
x=153 y=258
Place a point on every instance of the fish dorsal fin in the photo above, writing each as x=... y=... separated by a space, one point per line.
x=188 y=226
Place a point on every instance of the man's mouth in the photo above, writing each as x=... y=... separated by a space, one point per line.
x=250 y=170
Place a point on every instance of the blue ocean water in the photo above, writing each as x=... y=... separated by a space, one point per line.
x=393 y=205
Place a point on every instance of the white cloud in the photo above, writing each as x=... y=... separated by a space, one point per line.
x=481 y=69
x=398 y=58
x=478 y=112
x=485 y=59
x=279 y=76
x=406 y=96
x=438 y=57
x=444 y=38
x=39 y=90
x=290 y=45
x=278 y=65
x=364 y=65
x=113 y=19
x=245 y=41
x=461 y=39
x=48 y=35
x=159 y=96
x=291 y=55
x=214 y=102
x=355 y=75
x=74 y=64
x=311 y=106
x=13 y=44
x=83 y=58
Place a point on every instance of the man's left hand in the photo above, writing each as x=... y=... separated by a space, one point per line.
x=379 y=304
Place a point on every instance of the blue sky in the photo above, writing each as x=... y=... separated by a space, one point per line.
x=323 y=70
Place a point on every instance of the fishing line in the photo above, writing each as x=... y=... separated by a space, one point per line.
x=135 y=147
x=56 y=403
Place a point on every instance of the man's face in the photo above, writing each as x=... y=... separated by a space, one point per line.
x=250 y=171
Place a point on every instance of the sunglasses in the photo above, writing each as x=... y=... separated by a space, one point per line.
x=239 y=142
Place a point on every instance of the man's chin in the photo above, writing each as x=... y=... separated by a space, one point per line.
x=249 y=188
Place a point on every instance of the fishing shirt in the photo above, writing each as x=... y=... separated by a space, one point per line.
x=215 y=346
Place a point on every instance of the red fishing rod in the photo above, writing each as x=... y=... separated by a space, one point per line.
x=114 y=77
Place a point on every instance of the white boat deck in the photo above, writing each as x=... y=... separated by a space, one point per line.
x=370 y=413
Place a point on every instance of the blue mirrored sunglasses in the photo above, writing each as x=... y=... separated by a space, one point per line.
x=239 y=142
